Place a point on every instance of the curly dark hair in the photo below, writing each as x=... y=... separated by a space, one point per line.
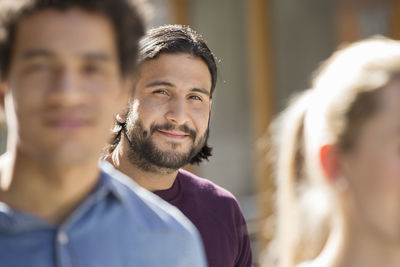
x=125 y=16
x=170 y=39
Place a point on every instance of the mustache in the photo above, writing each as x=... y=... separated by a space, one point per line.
x=169 y=127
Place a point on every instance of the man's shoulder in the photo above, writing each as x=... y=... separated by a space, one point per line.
x=148 y=208
x=204 y=187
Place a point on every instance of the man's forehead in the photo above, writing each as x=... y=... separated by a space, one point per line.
x=72 y=30
x=177 y=64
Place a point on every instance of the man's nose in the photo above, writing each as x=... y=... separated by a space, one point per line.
x=177 y=111
x=66 y=89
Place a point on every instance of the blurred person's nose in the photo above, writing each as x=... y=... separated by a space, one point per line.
x=66 y=90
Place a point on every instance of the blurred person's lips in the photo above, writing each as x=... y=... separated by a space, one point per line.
x=174 y=134
x=68 y=121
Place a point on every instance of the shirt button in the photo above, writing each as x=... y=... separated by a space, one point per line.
x=62 y=238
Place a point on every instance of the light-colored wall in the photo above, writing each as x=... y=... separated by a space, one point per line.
x=222 y=24
x=303 y=37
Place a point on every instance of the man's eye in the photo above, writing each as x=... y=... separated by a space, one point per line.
x=160 y=91
x=195 y=97
x=39 y=67
x=91 y=69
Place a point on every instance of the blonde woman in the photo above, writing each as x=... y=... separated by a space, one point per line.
x=338 y=163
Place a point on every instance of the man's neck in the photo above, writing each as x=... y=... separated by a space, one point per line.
x=49 y=192
x=152 y=181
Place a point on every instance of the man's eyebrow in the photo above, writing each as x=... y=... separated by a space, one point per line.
x=158 y=83
x=32 y=53
x=97 y=56
x=164 y=83
x=201 y=90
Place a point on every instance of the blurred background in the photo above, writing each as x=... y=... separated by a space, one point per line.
x=267 y=50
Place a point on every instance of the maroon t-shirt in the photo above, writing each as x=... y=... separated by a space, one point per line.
x=216 y=214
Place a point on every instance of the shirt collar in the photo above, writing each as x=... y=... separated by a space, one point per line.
x=117 y=182
x=13 y=221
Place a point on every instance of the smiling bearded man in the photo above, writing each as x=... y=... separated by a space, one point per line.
x=166 y=127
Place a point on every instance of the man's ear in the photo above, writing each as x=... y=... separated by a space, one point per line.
x=329 y=157
x=121 y=117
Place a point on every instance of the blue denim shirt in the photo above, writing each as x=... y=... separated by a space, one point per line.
x=118 y=225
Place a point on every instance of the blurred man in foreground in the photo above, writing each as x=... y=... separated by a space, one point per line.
x=66 y=71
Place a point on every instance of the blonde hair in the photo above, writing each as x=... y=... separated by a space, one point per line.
x=342 y=97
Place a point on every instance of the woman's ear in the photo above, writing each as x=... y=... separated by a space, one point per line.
x=330 y=161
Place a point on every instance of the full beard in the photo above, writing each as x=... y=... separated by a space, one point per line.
x=145 y=154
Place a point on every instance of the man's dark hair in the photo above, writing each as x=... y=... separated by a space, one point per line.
x=124 y=16
x=171 y=39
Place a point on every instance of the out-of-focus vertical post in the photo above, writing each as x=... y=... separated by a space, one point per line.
x=262 y=103
x=179 y=11
x=346 y=21
x=395 y=19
